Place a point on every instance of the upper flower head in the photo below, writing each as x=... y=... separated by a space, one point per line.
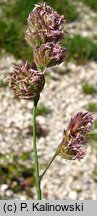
x=49 y=54
x=44 y=23
x=26 y=82
x=75 y=136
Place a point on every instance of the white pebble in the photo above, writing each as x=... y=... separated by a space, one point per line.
x=73 y=195
x=3 y=187
x=9 y=193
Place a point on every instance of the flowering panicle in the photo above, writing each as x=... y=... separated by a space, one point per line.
x=44 y=33
x=26 y=82
x=75 y=136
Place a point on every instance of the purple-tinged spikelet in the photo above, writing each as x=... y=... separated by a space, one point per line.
x=35 y=38
x=49 y=54
x=76 y=136
x=26 y=82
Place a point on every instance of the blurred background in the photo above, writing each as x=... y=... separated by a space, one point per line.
x=70 y=88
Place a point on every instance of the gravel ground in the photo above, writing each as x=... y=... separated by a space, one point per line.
x=64 y=96
x=86 y=22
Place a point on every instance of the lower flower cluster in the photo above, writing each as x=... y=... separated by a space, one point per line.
x=26 y=81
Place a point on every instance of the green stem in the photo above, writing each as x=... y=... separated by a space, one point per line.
x=50 y=162
x=38 y=189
